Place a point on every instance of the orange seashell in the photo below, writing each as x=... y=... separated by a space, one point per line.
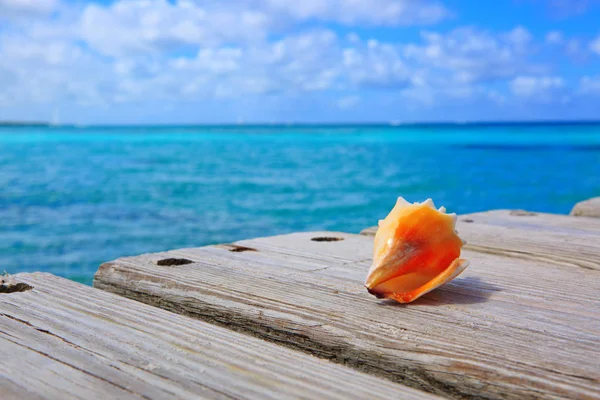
x=416 y=250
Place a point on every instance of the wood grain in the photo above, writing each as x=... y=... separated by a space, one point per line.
x=555 y=239
x=507 y=328
x=63 y=340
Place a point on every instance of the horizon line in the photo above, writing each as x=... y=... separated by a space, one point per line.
x=15 y=124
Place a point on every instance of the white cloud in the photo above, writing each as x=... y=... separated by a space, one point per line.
x=215 y=61
x=144 y=26
x=353 y=12
x=304 y=62
x=18 y=8
x=575 y=48
x=432 y=94
x=376 y=65
x=311 y=61
x=471 y=55
x=572 y=47
x=496 y=97
x=555 y=37
x=519 y=37
x=347 y=102
x=536 y=86
x=589 y=85
x=595 y=45
x=50 y=71
x=567 y=8
x=135 y=51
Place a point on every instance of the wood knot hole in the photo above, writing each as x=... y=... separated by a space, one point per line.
x=326 y=239
x=522 y=213
x=169 y=262
x=238 y=249
x=8 y=286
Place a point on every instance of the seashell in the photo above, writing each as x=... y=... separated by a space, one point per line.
x=416 y=250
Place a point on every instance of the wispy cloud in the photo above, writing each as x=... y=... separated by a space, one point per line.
x=540 y=87
x=590 y=85
x=472 y=55
x=595 y=45
x=187 y=52
x=555 y=38
x=348 y=102
x=24 y=8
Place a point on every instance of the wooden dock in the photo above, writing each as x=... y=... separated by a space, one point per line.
x=288 y=317
x=63 y=340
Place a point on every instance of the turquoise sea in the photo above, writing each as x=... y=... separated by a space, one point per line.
x=72 y=198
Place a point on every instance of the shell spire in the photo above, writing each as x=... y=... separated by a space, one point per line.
x=416 y=250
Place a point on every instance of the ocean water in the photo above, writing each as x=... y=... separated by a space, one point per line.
x=72 y=198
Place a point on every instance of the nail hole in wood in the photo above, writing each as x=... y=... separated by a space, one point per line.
x=467 y=220
x=326 y=239
x=522 y=213
x=169 y=262
x=8 y=287
x=238 y=249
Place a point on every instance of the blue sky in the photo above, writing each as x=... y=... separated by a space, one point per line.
x=284 y=61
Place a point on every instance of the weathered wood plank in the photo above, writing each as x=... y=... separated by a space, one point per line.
x=557 y=239
x=63 y=340
x=534 y=221
x=507 y=328
x=587 y=208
